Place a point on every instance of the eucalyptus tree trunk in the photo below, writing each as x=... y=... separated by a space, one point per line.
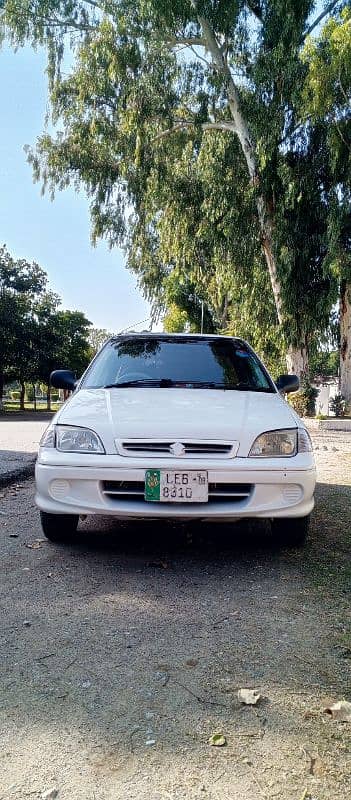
x=1 y=389
x=345 y=340
x=297 y=357
x=297 y=360
x=48 y=398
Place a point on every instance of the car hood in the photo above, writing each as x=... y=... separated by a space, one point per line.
x=176 y=414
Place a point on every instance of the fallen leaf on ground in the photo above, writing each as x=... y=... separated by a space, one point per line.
x=192 y=662
x=249 y=696
x=217 y=740
x=311 y=714
x=317 y=767
x=36 y=545
x=340 y=711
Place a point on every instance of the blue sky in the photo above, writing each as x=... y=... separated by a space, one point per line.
x=55 y=234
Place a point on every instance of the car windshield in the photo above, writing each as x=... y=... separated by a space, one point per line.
x=187 y=362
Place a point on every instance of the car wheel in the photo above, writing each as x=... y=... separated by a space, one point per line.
x=291 y=531
x=59 y=527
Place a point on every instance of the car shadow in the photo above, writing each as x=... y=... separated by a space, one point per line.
x=162 y=541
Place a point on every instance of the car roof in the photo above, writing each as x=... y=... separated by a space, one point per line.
x=167 y=336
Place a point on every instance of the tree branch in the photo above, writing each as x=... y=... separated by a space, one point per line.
x=179 y=126
x=248 y=147
x=69 y=23
x=187 y=41
x=219 y=126
x=197 y=55
x=100 y=6
x=205 y=126
x=329 y=8
x=240 y=125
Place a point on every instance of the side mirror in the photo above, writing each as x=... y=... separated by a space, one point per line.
x=287 y=383
x=63 y=379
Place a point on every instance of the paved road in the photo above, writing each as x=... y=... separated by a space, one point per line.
x=121 y=654
x=19 y=438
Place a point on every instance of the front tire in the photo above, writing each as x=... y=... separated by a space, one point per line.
x=291 y=531
x=59 y=527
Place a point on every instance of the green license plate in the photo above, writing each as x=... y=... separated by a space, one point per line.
x=176 y=486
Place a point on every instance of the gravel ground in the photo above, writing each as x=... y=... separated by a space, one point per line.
x=122 y=654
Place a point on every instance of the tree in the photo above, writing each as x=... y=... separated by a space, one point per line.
x=205 y=240
x=36 y=336
x=97 y=337
x=20 y=283
x=24 y=350
x=62 y=340
x=132 y=92
x=175 y=320
x=326 y=100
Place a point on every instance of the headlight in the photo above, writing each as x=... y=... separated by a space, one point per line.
x=275 y=444
x=304 y=443
x=77 y=440
x=48 y=437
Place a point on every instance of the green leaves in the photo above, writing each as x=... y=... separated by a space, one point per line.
x=328 y=60
x=137 y=123
x=36 y=336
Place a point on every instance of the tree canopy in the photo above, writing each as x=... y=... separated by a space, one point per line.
x=191 y=126
x=36 y=335
x=97 y=337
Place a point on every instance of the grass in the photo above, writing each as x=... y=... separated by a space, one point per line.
x=13 y=407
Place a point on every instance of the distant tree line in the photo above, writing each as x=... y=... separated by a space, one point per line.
x=36 y=334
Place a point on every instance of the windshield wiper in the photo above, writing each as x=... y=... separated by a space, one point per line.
x=162 y=383
x=239 y=387
x=246 y=387
x=166 y=383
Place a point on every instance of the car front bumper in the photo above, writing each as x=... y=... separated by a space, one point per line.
x=272 y=490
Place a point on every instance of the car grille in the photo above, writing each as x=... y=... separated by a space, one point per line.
x=193 y=449
x=217 y=492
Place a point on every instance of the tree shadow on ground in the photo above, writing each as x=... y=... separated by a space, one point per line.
x=15 y=465
x=40 y=415
x=146 y=624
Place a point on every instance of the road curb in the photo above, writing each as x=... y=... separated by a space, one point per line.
x=20 y=473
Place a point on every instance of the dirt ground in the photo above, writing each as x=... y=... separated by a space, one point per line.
x=122 y=654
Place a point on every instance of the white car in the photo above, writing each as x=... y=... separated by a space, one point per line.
x=179 y=426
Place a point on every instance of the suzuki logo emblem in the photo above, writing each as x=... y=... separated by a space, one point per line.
x=177 y=449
